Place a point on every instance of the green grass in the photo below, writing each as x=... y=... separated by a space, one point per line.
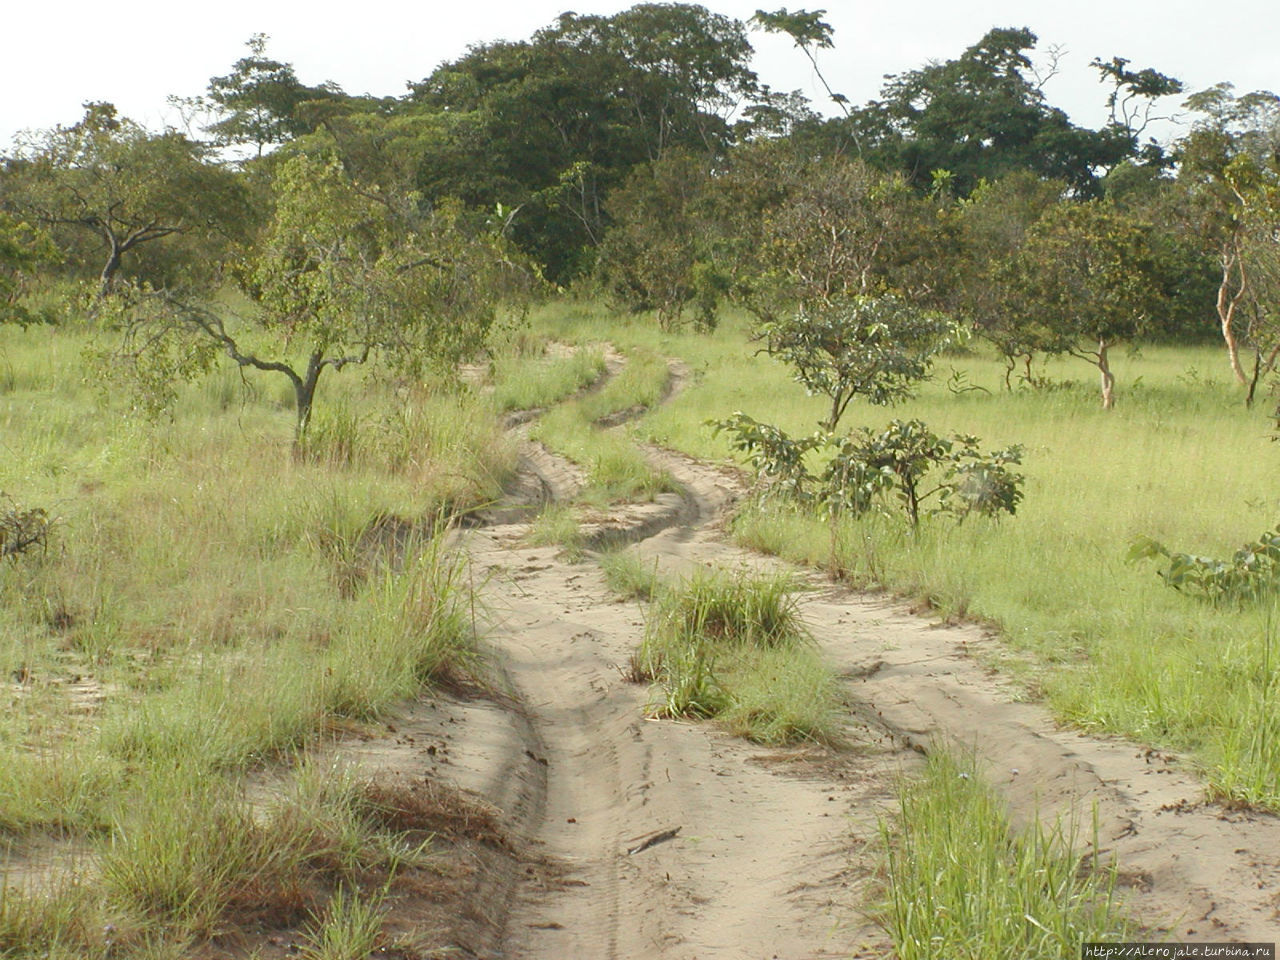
x=616 y=470
x=960 y=883
x=733 y=647
x=210 y=604
x=629 y=576
x=557 y=525
x=524 y=382
x=349 y=928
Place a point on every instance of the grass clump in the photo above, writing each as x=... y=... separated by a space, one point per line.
x=962 y=884
x=629 y=576
x=557 y=525
x=733 y=647
x=350 y=928
x=189 y=855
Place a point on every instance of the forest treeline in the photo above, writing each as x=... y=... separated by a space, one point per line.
x=639 y=156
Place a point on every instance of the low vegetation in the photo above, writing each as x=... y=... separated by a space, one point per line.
x=960 y=881
x=527 y=376
x=208 y=603
x=616 y=470
x=732 y=646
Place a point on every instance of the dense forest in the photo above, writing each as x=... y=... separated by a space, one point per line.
x=639 y=156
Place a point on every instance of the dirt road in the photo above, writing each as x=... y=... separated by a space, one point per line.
x=760 y=853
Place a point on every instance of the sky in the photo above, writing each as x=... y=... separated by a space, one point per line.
x=54 y=56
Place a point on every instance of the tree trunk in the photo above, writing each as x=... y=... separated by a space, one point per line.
x=1227 y=302
x=1108 y=378
x=838 y=403
x=111 y=267
x=304 y=392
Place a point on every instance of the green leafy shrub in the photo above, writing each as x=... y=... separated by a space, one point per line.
x=906 y=462
x=1252 y=572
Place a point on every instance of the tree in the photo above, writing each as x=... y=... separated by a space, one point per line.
x=837 y=229
x=988 y=228
x=1089 y=274
x=1131 y=103
x=686 y=69
x=981 y=116
x=877 y=348
x=552 y=124
x=110 y=179
x=259 y=99
x=1231 y=174
x=659 y=252
x=342 y=276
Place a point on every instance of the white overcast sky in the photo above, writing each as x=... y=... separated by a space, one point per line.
x=56 y=54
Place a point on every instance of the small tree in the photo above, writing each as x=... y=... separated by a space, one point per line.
x=925 y=473
x=658 y=252
x=109 y=179
x=989 y=227
x=338 y=279
x=877 y=348
x=1089 y=274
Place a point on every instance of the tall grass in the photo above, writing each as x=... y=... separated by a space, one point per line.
x=960 y=883
x=209 y=603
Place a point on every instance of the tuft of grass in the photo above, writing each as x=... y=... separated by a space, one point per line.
x=629 y=576
x=557 y=525
x=64 y=920
x=961 y=883
x=733 y=647
x=182 y=848
x=780 y=695
x=349 y=929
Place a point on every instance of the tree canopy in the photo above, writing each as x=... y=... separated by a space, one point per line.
x=120 y=187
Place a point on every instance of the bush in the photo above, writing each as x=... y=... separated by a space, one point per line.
x=1252 y=572
x=906 y=462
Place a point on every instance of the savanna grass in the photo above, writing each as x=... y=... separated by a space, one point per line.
x=210 y=601
x=629 y=576
x=615 y=469
x=522 y=382
x=961 y=883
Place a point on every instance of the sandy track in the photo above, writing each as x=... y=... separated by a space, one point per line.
x=771 y=856
x=758 y=865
